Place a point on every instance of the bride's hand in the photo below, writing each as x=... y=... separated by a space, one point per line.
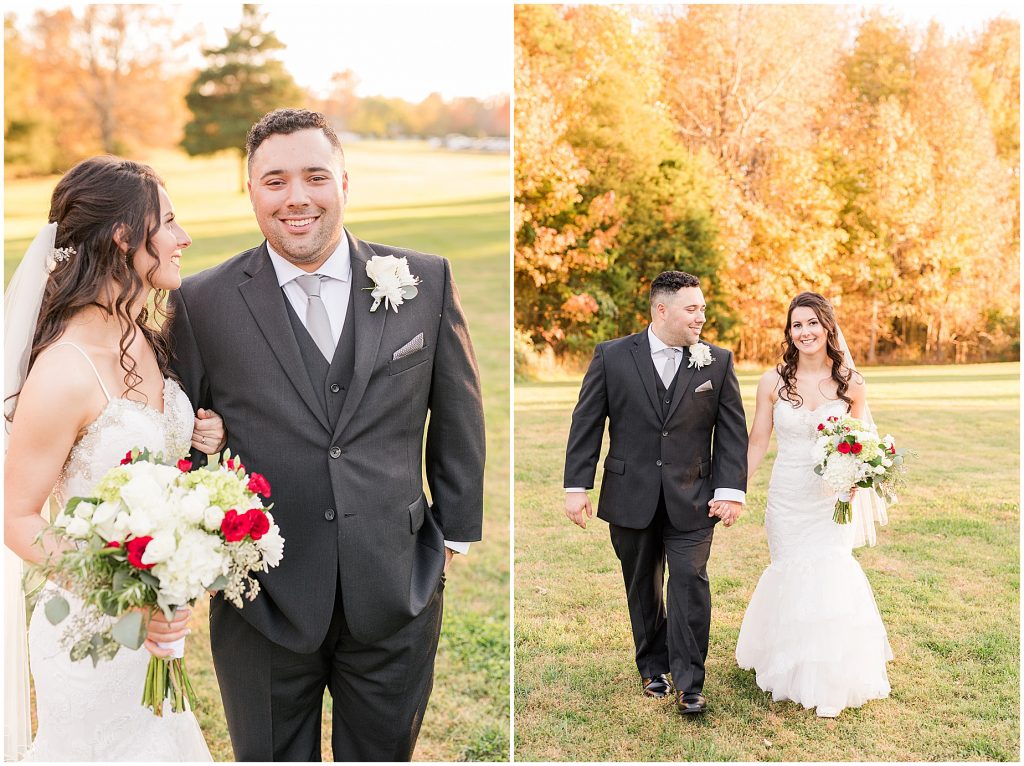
x=208 y=433
x=160 y=630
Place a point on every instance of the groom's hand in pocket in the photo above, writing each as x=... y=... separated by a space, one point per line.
x=160 y=629
x=578 y=508
x=448 y=555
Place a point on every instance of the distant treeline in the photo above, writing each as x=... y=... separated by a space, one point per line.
x=112 y=78
x=769 y=149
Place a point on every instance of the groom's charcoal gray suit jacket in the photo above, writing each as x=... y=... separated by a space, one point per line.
x=346 y=480
x=686 y=449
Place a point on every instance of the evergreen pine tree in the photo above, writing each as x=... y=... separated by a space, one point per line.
x=241 y=82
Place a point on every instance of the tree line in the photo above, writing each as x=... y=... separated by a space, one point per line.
x=113 y=78
x=769 y=150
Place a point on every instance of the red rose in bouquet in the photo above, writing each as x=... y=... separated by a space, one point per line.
x=260 y=524
x=259 y=485
x=136 y=547
x=236 y=526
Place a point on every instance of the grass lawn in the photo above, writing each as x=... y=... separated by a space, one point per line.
x=409 y=195
x=946 y=576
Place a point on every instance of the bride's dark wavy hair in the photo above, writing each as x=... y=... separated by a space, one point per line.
x=841 y=374
x=96 y=198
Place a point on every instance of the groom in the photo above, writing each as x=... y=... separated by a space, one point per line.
x=676 y=465
x=328 y=398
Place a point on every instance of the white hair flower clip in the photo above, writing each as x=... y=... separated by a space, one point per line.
x=61 y=254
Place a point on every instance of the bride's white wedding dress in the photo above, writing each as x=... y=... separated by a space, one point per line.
x=91 y=713
x=812 y=631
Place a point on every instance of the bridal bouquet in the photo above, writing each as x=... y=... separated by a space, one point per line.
x=156 y=536
x=849 y=453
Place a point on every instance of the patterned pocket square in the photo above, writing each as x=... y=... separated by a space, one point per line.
x=409 y=348
x=705 y=386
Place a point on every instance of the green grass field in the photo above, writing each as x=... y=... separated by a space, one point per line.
x=946 y=576
x=407 y=195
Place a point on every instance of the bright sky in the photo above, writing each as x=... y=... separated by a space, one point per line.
x=962 y=16
x=395 y=49
x=409 y=50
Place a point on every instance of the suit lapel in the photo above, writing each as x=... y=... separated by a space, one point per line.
x=265 y=299
x=683 y=378
x=368 y=328
x=645 y=367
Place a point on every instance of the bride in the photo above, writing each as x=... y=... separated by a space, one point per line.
x=87 y=380
x=812 y=632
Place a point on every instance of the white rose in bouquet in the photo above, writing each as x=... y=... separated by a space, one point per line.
x=212 y=517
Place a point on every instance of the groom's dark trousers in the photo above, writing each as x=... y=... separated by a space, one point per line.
x=355 y=604
x=379 y=690
x=676 y=642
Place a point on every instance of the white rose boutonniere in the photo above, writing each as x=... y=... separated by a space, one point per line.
x=700 y=355
x=392 y=281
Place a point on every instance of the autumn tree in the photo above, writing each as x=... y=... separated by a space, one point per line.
x=745 y=85
x=242 y=81
x=624 y=202
x=106 y=79
x=771 y=150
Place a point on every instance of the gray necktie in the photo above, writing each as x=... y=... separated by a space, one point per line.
x=317 y=322
x=668 y=371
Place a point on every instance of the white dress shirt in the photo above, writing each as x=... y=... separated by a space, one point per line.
x=334 y=291
x=658 y=357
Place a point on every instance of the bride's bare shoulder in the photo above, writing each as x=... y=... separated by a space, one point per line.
x=769 y=384
x=62 y=373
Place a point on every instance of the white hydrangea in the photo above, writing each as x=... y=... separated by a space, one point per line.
x=197 y=561
x=842 y=472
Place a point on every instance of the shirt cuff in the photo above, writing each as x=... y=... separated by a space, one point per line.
x=734 y=495
x=462 y=548
x=575 y=489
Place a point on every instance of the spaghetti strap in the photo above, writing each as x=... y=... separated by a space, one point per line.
x=95 y=371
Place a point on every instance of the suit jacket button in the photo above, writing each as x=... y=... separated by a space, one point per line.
x=335 y=388
x=659 y=462
x=664 y=433
x=329 y=514
x=668 y=401
x=335 y=452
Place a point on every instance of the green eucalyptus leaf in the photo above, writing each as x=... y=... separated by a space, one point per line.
x=149 y=579
x=74 y=502
x=130 y=630
x=218 y=584
x=109 y=606
x=56 y=609
x=122 y=580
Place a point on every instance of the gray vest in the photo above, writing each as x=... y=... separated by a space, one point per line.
x=664 y=394
x=330 y=381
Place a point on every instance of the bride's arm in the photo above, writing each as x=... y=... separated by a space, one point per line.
x=761 y=430
x=858 y=392
x=58 y=399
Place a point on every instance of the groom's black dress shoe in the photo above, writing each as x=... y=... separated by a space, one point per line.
x=656 y=687
x=690 y=702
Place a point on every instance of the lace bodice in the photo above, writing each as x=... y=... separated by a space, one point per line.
x=796 y=428
x=122 y=425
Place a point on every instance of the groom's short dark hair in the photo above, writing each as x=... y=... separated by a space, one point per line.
x=285 y=121
x=671 y=282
